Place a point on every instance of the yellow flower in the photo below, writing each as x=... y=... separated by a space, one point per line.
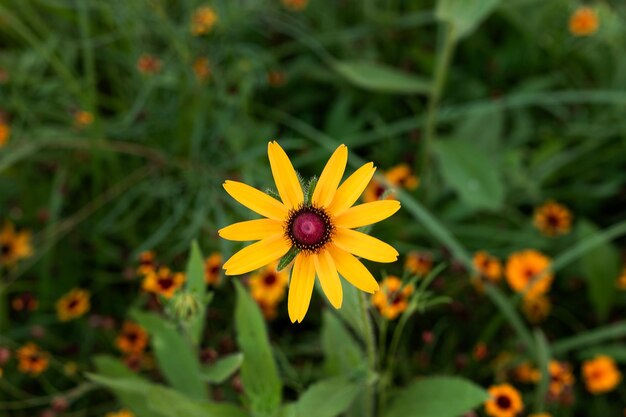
x=527 y=374
x=418 y=263
x=147 y=263
x=536 y=308
x=584 y=22
x=553 y=219
x=25 y=302
x=504 y=401
x=269 y=285
x=148 y=64
x=399 y=176
x=32 y=360
x=213 y=269
x=201 y=68
x=540 y=415
x=121 y=413
x=321 y=230
x=132 y=338
x=163 y=281
x=73 y=304
x=82 y=118
x=601 y=374
x=5 y=132
x=561 y=378
x=487 y=266
x=295 y=5
x=203 y=20
x=528 y=266
x=14 y=246
x=375 y=191
x=621 y=280
x=393 y=298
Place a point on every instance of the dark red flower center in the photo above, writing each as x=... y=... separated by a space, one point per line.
x=214 y=270
x=553 y=220
x=166 y=283
x=309 y=228
x=379 y=191
x=269 y=279
x=132 y=337
x=5 y=249
x=72 y=304
x=503 y=402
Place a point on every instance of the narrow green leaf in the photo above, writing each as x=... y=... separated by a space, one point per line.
x=381 y=78
x=310 y=188
x=259 y=372
x=341 y=352
x=617 y=352
x=589 y=338
x=329 y=397
x=222 y=369
x=288 y=258
x=196 y=285
x=465 y=15
x=543 y=359
x=437 y=397
x=483 y=129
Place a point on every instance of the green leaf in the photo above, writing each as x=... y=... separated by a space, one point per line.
x=259 y=372
x=483 y=129
x=328 y=398
x=465 y=15
x=601 y=267
x=437 y=397
x=223 y=368
x=381 y=78
x=177 y=360
x=543 y=360
x=342 y=354
x=470 y=173
x=196 y=285
x=589 y=338
x=286 y=260
x=310 y=188
x=617 y=352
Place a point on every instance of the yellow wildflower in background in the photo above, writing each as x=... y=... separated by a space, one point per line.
x=122 y=413
x=561 y=377
x=321 y=230
x=536 y=308
x=295 y=5
x=393 y=298
x=418 y=263
x=149 y=64
x=213 y=269
x=14 y=246
x=201 y=68
x=528 y=266
x=73 y=304
x=621 y=280
x=584 y=22
x=203 y=20
x=488 y=266
x=32 y=360
x=5 y=133
x=504 y=401
x=540 y=415
x=25 y=302
x=268 y=284
x=163 y=281
x=601 y=374
x=82 y=118
x=553 y=219
x=526 y=373
x=276 y=78
x=147 y=262
x=132 y=338
x=399 y=176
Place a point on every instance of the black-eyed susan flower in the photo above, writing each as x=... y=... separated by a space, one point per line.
x=621 y=280
x=14 y=246
x=393 y=297
x=149 y=64
x=163 y=281
x=375 y=191
x=32 y=360
x=584 y=22
x=201 y=69
x=553 y=219
x=121 y=413
x=5 y=133
x=295 y=5
x=147 y=262
x=213 y=269
x=203 y=20
x=488 y=266
x=540 y=415
x=526 y=267
x=25 y=302
x=418 y=263
x=526 y=373
x=73 y=304
x=536 y=308
x=319 y=229
x=561 y=378
x=399 y=176
x=601 y=375
x=268 y=284
x=504 y=401
x=132 y=338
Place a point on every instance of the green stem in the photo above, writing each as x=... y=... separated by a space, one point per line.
x=439 y=81
x=4 y=305
x=370 y=344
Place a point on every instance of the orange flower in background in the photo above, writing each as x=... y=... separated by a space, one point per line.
x=393 y=298
x=540 y=415
x=201 y=68
x=5 y=133
x=276 y=78
x=536 y=308
x=73 y=304
x=528 y=266
x=621 y=280
x=149 y=64
x=418 y=263
x=375 y=191
x=25 y=302
x=480 y=351
x=132 y=338
x=83 y=118
x=295 y=5
x=504 y=401
x=213 y=269
x=163 y=281
x=527 y=374
x=553 y=219
x=601 y=374
x=584 y=22
x=487 y=266
x=32 y=360
x=399 y=176
x=14 y=246
x=561 y=378
x=122 y=413
x=147 y=262
x=203 y=20
x=269 y=285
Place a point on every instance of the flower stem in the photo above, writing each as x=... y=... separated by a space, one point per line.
x=370 y=343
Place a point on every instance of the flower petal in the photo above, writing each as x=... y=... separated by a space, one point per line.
x=327 y=273
x=353 y=270
x=301 y=287
x=351 y=189
x=252 y=230
x=256 y=200
x=257 y=255
x=331 y=177
x=285 y=176
x=365 y=246
x=368 y=213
